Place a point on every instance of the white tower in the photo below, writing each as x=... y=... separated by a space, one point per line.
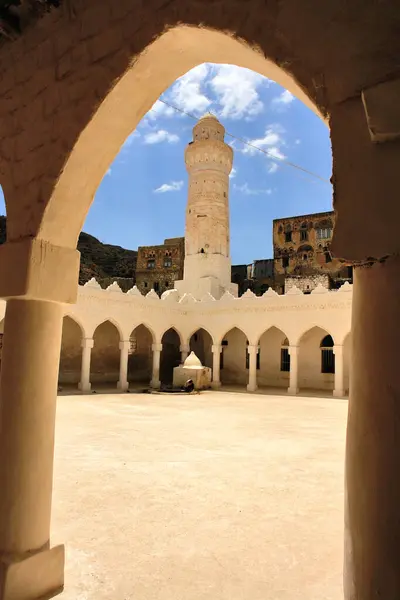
x=208 y=159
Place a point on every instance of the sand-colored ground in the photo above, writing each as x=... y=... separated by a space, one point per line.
x=219 y=496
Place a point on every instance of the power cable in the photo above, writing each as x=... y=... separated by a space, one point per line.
x=272 y=156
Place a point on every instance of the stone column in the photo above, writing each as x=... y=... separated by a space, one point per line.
x=84 y=384
x=155 y=380
x=293 y=388
x=339 y=371
x=184 y=352
x=253 y=351
x=372 y=524
x=123 y=384
x=216 y=350
x=28 y=392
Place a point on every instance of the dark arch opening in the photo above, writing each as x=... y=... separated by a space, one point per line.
x=69 y=373
x=170 y=356
x=140 y=358
x=201 y=344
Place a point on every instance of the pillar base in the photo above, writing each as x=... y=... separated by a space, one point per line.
x=123 y=386
x=85 y=389
x=252 y=388
x=338 y=394
x=215 y=385
x=155 y=384
x=38 y=577
x=293 y=391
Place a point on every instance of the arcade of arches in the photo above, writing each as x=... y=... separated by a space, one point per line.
x=117 y=364
x=341 y=59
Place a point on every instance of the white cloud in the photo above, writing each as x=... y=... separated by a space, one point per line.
x=187 y=94
x=271 y=143
x=297 y=142
x=245 y=189
x=236 y=91
x=174 y=186
x=159 y=109
x=233 y=173
x=272 y=168
x=156 y=137
x=283 y=99
x=109 y=171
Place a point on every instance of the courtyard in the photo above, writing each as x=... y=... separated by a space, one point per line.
x=218 y=495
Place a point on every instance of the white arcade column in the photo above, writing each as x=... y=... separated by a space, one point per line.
x=123 y=366
x=155 y=380
x=253 y=351
x=84 y=384
x=184 y=352
x=216 y=351
x=339 y=371
x=293 y=388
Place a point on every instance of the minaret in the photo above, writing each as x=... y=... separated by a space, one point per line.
x=208 y=159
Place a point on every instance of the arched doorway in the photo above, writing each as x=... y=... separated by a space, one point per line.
x=201 y=344
x=140 y=358
x=170 y=355
x=234 y=361
x=274 y=366
x=316 y=360
x=71 y=353
x=104 y=365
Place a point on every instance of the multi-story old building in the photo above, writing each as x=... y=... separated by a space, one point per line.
x=158 y=267
x=302 y=253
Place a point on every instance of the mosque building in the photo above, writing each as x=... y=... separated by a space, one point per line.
x=292 y=341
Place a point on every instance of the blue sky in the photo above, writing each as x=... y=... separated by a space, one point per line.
x=142 y=197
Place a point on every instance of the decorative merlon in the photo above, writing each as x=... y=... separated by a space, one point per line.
x=92 y=283
x=320 y=289
x=294 y=291
x=114 y=287
x=152 y=295
x=248 y=294
x=170 y=296
x=346 y=287
x=207 y=298
x=134 y=291
x=187 y=299
x=270 y=293
x=227 y=296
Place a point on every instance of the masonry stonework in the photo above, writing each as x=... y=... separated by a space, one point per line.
x=158 y=267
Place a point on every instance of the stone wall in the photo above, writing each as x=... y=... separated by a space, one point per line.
x=308 y=283
x=158 y=267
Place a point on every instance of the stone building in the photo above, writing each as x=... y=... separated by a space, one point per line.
x=302 y=252
x=158 y=267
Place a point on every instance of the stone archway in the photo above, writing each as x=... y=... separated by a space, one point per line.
x=315 y=372
x=234 y=358
x=201 y=344
x=170 y=355
x=273 y=371
x=105 y=359
x=71 y=353
x=140 y=358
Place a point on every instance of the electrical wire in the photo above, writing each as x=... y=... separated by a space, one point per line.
x=270 y=155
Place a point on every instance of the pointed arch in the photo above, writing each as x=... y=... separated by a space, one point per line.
x=170 y=355
x=105 y=358
x=274 y=359
x=316 y=359
x=201 y=342
x=112 y=322
x=140 y=357
x=71 y=351
x=234 y=357
x=178 y=333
